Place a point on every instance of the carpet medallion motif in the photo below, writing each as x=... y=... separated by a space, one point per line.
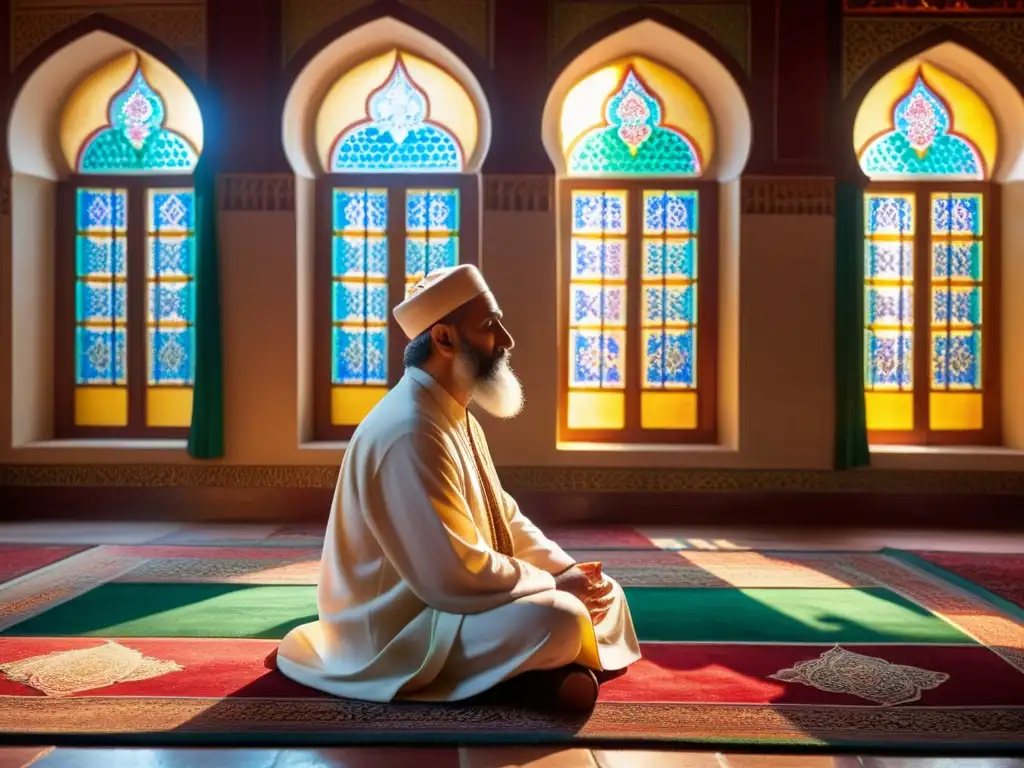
x=842 y=671
x=740 y=646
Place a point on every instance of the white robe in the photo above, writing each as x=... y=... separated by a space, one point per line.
x=414 y=602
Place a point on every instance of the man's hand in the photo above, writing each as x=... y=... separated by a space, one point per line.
x=586 y=582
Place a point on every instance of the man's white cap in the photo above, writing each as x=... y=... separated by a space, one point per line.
x=437 y=295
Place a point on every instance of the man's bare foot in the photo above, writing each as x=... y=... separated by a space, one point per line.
x=576 y=689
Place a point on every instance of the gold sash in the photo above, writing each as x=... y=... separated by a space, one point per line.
x=500 y=533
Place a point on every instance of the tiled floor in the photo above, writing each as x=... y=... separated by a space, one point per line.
x=692 y=538
x=454 y=758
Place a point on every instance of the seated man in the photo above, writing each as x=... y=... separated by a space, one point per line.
x=433 y=585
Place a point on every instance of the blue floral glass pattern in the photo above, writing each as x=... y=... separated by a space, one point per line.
x=359 y=356
x=889 y=259
x=957 y=261
x=598 y=359
x=956 y=215
x=670 y=305
x=888 y=305
x=135 y=140
x=599 y=213
x=670 y=212
x=889 y=360
x=359 y=289
x=889 y=214
x=956 y=306
x=171 y=355
x=101 y=355
x=956 y=360
x=670 y=359
x=598 y=259
x=598 y=305
x=398 y=136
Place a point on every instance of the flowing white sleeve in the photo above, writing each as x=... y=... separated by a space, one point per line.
x=531 y=544
x=416 y=508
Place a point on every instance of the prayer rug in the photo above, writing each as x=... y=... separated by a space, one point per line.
x=851 y=650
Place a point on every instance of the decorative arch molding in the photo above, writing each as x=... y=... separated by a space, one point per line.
x=961 y=55
x=183 y=46
x=319 y=65
x=721 y=86
x=43 y=82
x=870 y=44
x=731 y=60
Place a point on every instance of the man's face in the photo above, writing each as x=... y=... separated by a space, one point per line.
x=481 y=359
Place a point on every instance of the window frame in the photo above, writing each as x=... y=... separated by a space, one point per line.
x=633 y=433
x=397 y=184
x=991 y=307
x=65 y=305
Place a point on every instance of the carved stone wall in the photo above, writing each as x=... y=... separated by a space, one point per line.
x=519 y=479
x=772 y=196
x=256 y=192
x=469 y=19
x=727 y=21
x=519 y=193
x=180 y=24
x=867 y=39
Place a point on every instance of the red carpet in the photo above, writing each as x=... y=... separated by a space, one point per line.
x=965 y=692
x=18 y=559
x=1001 y=574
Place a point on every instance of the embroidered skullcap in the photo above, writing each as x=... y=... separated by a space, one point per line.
x=437 y=295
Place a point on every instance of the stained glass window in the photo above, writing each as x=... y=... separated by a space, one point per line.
x=101 y=315
x=360 y=290
x=397 y=135
x=956 y=310
x=170 y=299
x=135 y=139
x=432 y=232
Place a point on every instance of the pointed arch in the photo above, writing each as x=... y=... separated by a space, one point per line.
x=935 y=125
x=386 y=128
x=641 y=126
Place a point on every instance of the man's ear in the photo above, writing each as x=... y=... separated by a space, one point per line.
x=443 y=338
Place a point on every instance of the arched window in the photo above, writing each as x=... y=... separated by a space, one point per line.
x=395 y=202
x=639 y=268
x=928 y=143
x=131 y=134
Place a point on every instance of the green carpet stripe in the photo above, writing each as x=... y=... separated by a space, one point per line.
x=785 y=615
x=667 y=615
x=177 y=610
x=1004 y=605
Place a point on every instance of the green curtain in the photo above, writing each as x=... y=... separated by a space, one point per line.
x=851 y=449
x=206 y=437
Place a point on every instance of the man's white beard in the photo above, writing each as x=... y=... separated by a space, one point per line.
x=500 y=394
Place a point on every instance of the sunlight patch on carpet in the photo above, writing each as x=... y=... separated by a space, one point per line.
x=64 y=673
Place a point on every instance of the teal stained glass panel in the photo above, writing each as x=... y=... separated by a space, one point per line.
x=956 y=305
x=634 y=140
x=135 y=140
x=668 y=305
x=921 y=144
x=360 y=211
x=171 y=261
x=359 y=303
x=172 y=355
x=670 y=259
x=397 y=138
